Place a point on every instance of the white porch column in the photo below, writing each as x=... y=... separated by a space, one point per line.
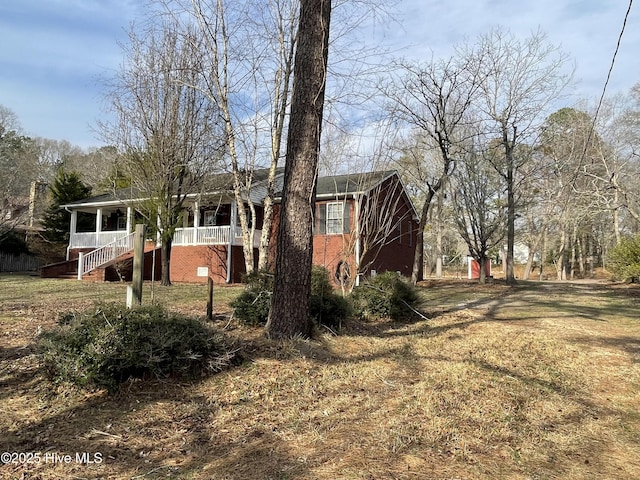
x=74 y=222
x=73 y=226
x=129 y=219
x=98 y=220
x=232 y=237
x=196 y=221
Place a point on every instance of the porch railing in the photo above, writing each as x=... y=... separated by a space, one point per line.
x=202 y=236
x=92 y=260
x=219 y=235
x=94 y=239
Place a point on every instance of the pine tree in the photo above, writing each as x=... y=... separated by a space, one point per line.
x=66 y=188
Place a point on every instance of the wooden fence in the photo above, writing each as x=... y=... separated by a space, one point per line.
x=10 y=262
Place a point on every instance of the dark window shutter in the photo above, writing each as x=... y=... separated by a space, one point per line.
x=346 y=217
x=322 y=219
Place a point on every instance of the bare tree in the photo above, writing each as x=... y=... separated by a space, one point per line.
x=18 y=168
x=167 y=132
x=615 y=163
x=246 y=69
x=521 y=78
x=480 y=206
x=289 y=314
x=433 y=99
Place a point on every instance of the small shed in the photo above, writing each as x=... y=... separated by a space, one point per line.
x=473 y=272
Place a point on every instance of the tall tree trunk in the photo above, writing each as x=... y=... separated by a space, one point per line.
x=482 y=261
x=265 y=237
x=165 y=250
x=511 y=220
x=543 y=254
x=561 y=255
x=580 y=259
x=571 y=264
x=529 y=266
x=616 y=219
x=289 y=314
x=418 y=267
x=439 y=238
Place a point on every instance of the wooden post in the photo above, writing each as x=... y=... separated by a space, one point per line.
x=210 y=300
x=138 y=262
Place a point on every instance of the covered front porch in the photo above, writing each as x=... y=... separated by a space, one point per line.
x=202 y=225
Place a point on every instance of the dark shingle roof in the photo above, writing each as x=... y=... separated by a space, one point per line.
x=335 y=185
x=350 y=183
x=218 y=183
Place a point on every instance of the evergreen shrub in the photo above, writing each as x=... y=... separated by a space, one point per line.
x=387 y=295
x=625 y=260
x=325 y=306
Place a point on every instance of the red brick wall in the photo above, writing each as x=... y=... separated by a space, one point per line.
x=329 y=250
x=185 y=261
x=397 y=255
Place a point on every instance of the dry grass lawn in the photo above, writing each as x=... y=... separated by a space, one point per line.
x=539 y=381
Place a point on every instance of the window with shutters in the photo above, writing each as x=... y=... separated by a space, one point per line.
x=332 y=218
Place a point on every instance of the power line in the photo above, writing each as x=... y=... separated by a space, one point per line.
x=606 y=83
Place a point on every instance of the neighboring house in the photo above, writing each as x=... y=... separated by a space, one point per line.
x=209 y=243
x=24 y=214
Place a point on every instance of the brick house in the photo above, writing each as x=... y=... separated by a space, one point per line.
x=363 y=222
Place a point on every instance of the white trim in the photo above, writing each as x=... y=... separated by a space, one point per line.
x=74 y=222
x=196 y=220
x=339 y=218
x=234 y=213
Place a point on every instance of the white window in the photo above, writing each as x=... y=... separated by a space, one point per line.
x=335 y=214
x=122 y=223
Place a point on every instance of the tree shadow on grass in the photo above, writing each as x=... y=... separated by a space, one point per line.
x=125 y=434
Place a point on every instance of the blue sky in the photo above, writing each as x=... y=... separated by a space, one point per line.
x=54 y=52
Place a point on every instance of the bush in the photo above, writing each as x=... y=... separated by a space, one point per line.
x=386 y=295
x=625 y=260
x=110 y=344
x=325 y=306
x=251 y=307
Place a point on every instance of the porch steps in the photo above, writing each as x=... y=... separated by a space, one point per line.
x=105 y=272
x=109 y=272
x=103 y=255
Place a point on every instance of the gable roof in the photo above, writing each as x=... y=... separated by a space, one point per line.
x=332 y=186
x=338 y=186
x=349 y=184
